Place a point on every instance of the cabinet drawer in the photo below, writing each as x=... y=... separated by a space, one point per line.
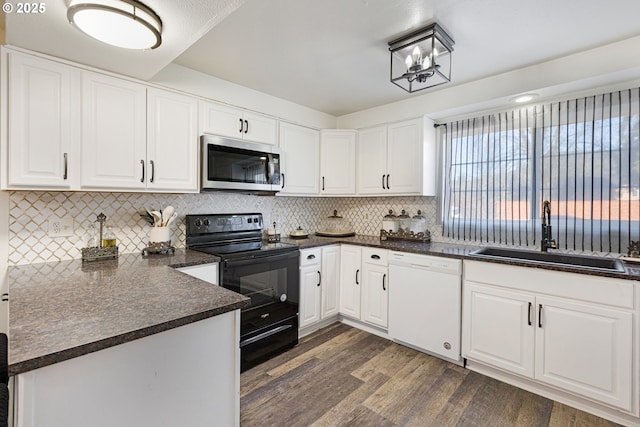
x=310 y=256
x=375 y=256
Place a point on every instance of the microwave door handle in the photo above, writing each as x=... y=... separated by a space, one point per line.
x=270 y=169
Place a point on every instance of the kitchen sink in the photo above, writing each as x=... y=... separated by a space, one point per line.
x=578 y=261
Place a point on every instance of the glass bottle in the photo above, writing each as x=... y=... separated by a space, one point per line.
x=109 y=237
x=91 y=237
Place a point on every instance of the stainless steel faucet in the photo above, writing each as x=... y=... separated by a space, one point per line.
x=547 y=238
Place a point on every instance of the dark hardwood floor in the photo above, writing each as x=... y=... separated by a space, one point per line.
x=342 y=376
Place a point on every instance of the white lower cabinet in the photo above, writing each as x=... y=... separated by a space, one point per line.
x=571 y=332
x=364 y=284
x=350 y=280
x=319 y=284
x=375 y=285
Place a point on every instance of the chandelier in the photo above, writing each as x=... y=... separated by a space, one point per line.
x=421 y=59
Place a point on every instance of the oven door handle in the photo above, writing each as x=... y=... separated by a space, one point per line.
x=252 y=259
x=265 y=335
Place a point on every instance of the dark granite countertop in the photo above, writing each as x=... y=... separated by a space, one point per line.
x=453 y=250
x=66 y=309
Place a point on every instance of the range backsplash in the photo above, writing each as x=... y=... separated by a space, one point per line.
x=30 y=212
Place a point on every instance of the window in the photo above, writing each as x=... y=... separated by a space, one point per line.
x=583 y=155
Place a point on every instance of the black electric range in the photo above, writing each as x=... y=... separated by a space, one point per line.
x=267 y=273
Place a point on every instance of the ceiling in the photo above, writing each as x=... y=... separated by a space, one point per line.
x=332 y=55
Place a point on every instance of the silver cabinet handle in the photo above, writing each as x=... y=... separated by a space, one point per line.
x=323 y=183
x=384 y=278
x=388 y=187
x=153 y=170
x=312 y=256
x=383 y=182
x=246 y=126
x=319 y=278
x=357 y=272
x=66 y=164
x=282 y=179
x=142 y=163
x=241 y=126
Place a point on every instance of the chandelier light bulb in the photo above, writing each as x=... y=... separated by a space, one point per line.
x=426 y=63
x=417 y=55
x=408 y=62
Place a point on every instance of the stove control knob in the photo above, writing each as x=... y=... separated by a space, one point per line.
x=197 y=222
x=206 y=222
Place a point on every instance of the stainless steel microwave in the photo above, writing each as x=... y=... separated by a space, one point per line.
x=231 y=164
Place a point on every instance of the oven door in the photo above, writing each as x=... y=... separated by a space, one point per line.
x=229 y=164
x=270 y=281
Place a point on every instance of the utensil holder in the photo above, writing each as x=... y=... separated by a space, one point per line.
x=160 y=235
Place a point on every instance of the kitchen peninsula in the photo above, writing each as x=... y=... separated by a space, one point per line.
x=129 y=341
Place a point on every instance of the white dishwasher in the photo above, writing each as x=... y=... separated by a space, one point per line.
x=425 y=302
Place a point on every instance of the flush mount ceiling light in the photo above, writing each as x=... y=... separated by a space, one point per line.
x=421 y=59
x=525 y=97
x=123 y=23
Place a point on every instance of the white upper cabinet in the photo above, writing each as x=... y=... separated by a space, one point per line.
x=172 y=141
x=234 y=122
x=134 y=138
x=372 y=160
x=43 y=122
x=404 y=157
x=396 y=159
x=301 y=151
x=337 y=162
x=113 y=133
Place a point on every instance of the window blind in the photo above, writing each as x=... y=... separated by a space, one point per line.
x=583 y=155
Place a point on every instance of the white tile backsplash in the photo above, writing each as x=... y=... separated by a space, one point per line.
x=30 y=212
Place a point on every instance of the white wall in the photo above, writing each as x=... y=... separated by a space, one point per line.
x=197 y=83
x=603 y=67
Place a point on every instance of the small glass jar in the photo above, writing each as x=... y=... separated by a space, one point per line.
x=404 y=222
x=109 y=237
x=390 y=222
x=418 y=223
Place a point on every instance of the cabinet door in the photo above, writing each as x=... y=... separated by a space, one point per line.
x=350 y=280
x=404 y=157
x=310 y=303
x=260 y=128
x=372 y=160
x=375 y=298
x=43 y=110
x=585 y=349
x=113 y=133
x=330 y=283
x=338 y=161
x=301 y=148
x=221 y=120
x=498 y=328
x=172 y=141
